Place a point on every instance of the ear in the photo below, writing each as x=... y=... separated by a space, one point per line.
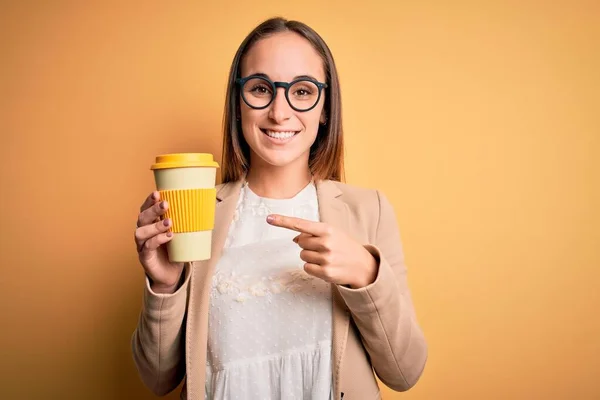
x=323 y=119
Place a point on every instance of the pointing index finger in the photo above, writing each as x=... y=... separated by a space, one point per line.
x=298 y=224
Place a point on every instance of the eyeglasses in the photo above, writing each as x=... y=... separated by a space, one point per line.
x=302 y=94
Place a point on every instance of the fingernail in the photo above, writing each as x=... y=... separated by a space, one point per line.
x=154 y=196
x=163 y=205
x=296 y=239
x=169 y=234
x=166 y=222
x=270 y=218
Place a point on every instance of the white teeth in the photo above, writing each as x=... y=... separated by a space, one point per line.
x=280 y=135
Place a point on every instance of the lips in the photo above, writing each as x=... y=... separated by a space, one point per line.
x=282 y=135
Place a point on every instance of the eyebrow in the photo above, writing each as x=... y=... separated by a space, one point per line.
x=263 y=75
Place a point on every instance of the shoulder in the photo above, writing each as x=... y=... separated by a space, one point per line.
x=369 y=209
x=365 y=207
x=373 y=203
x=365 y=203
x=358 y=196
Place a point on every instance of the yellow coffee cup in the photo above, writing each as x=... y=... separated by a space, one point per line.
x=187 y=182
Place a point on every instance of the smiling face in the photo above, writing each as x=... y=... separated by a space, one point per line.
x=278 y=135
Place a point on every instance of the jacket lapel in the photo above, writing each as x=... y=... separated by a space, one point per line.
x=335 y=212
x=202 y=272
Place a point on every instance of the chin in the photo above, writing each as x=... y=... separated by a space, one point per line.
x=271 y=158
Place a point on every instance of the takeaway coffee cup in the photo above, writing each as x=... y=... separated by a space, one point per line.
x=187 y=182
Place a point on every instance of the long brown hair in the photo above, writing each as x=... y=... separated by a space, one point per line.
x=326 y=160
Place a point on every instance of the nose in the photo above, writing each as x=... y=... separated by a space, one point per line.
x=280 y=110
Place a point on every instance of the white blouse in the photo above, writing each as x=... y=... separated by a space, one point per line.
x=269 y=329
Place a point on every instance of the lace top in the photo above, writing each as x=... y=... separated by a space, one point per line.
x=269 y=330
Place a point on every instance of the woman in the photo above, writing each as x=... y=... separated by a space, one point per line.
x=305 y=296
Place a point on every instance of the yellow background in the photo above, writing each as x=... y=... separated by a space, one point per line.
x=479 y=120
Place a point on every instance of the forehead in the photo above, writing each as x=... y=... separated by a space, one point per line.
x=282 y=57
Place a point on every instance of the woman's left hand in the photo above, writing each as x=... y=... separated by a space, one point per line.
x=329 y=253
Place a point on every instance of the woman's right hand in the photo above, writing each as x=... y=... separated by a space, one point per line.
x=151 y=235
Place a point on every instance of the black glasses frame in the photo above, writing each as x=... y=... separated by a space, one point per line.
x=274 y=85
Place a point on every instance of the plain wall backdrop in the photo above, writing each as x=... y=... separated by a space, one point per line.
x=479 y=120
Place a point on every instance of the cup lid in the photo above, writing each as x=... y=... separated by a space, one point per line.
x=182 y=160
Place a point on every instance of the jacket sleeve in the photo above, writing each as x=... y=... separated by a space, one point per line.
x=158 y=342
x=383 y=311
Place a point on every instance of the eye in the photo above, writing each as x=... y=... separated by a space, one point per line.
x=303 y=91
x=260 y=89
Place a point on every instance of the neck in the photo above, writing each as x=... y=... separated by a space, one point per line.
x=278 y=182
